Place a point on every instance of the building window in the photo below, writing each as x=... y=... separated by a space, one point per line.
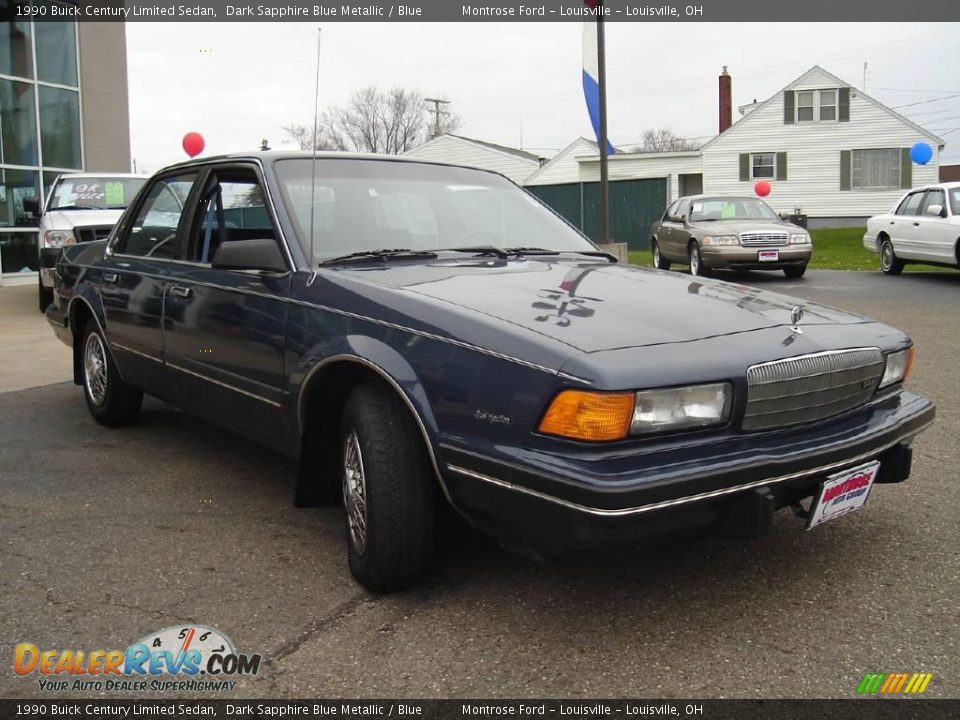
x=56 y=53
x=875 y=169
x=15 y=185
x=18 y=125
x=816 y=105
x=828 y=105
x=60 y=127
x=764 y=166
x=16 y=54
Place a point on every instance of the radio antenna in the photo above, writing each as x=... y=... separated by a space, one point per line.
x=313 y=165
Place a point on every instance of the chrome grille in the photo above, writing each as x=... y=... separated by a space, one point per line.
x=750 y=239
x=810 y=387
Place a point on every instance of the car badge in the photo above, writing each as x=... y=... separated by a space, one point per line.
x=796 y=315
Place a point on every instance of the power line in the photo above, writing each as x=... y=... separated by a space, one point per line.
x=924 y=102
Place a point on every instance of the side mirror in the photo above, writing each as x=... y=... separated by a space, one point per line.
x=31 y=206
x=935 y=210
x=258 y=254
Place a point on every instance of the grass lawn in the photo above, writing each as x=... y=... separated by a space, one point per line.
x=833 y=249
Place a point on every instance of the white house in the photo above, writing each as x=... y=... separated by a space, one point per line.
x=516 y=164
x=564 y=167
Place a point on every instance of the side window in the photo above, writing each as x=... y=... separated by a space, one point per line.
x=232 y=207
x=153 y=232
x=671 y=211
x=683 y=209
x=911 y=205
x=934 y=197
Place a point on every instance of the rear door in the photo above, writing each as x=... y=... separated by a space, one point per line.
x=224 y=330
x=132 y=280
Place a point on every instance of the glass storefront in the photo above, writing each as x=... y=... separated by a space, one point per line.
x=40 y=135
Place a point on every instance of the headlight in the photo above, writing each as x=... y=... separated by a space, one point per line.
x=680 y=408
x=57 y=238
x=898 y=367
x=800 y=239
x=582 y=415
x=721 y=240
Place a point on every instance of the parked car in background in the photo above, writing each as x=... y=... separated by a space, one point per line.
x=418 y=333
x=79 y=208
x=708 y=232
x=924 y=227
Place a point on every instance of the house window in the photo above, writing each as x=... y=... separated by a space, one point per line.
x=875 y=169
x=828 y=105
x=764 y=165
x=805 y=106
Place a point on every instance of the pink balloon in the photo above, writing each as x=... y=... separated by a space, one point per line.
x=762 y=188
x=193 y=144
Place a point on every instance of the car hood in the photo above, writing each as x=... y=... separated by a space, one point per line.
x=734 y=227
x=64 y=219
x=591 y=306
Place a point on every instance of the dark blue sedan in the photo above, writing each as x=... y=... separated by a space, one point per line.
x=418 y=333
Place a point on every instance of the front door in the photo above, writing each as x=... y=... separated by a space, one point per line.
x=935 y=237
x=225 y=330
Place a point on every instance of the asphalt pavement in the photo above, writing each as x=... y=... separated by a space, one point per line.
x=107 y=536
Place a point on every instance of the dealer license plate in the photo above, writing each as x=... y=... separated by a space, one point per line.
x=768 y=255
x=843 y=493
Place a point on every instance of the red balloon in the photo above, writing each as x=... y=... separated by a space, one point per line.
x=193 y=144
x=762 y=188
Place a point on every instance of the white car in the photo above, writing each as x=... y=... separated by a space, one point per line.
x=924 y=227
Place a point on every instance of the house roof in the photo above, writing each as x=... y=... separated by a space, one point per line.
x=840 y=83
x=559 y=156
x=502 y=148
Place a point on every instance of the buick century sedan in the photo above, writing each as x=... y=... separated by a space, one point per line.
x=420 y=334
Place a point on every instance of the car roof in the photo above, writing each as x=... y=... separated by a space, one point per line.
x=719 y=197
x=74 y=176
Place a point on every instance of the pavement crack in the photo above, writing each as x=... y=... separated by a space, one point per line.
x=339 y=612
x=148 y=611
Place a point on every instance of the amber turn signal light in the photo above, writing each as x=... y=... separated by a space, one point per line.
x=581 y=415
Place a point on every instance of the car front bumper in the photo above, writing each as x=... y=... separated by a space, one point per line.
x=594 y=498
x=48 y=262
x=748 y=258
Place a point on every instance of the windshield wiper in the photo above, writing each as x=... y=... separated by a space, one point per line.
x=79 y=207
x=544 y=251
x=479 y=250
x=382 y=255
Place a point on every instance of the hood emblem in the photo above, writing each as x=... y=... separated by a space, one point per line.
x=796 y=315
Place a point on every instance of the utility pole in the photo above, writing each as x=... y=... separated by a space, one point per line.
x=437 y=113
x=864 y=88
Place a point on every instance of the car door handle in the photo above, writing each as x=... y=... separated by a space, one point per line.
x=179 y=291
x=110 y=277
x=916 y=224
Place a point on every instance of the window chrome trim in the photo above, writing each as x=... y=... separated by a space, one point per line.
x=148 y=356
x=665 y=504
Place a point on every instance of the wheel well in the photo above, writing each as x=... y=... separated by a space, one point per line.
x=80 y=314
x=880 y=239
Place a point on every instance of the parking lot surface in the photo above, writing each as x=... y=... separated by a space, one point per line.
x=109 y=535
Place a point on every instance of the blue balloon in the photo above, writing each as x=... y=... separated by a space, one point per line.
x=921 y=153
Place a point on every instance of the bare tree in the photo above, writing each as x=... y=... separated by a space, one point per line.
x=373 y=120
x=663 y=140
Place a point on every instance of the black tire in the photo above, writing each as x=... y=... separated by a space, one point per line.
x=44 y=296
x=889 y=262
x=659 y=262
x=396 y=500
x=110 y=400
x=695 y=260
x=795 y=271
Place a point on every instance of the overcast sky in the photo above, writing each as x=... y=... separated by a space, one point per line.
x=514 y=83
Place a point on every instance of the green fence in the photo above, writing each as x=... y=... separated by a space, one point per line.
x=634 y=206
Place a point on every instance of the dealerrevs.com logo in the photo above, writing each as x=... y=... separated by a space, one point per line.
x=175 y=659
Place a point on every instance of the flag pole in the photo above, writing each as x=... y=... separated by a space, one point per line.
x=602 y=83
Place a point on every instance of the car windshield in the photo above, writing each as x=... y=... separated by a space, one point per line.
x=730 y=209
x=362 y=205
x=955 y=200
x=98 y=193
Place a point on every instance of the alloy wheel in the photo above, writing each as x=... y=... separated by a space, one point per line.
x=95 y=369
x=355 y=492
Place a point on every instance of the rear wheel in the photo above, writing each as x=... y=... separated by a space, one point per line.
x=44 y=296
x=387 y=490
x=795 y=271
x=110 y=400
x=889 y=262
x=659 y=262
x=695 y=259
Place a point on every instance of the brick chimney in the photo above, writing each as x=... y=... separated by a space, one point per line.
x=726 y=100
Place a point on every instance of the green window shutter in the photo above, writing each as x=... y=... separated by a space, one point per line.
x=844 y=169
x=843 y=112
x=788 y=113
x=781 y=166
x=906 y=169
x=744 y=167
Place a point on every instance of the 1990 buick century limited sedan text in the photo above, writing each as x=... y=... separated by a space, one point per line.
x=418 y=333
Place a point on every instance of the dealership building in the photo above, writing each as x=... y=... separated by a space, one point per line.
x=63 y=108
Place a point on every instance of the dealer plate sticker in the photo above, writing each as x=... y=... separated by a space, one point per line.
x=843 y=493
x=768 y=255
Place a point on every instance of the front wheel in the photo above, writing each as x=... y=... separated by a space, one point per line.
x=695 y=260
x=387 y=490
x=659 y=262
x=795 y=271
x=110 y=400
x=889 y=262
